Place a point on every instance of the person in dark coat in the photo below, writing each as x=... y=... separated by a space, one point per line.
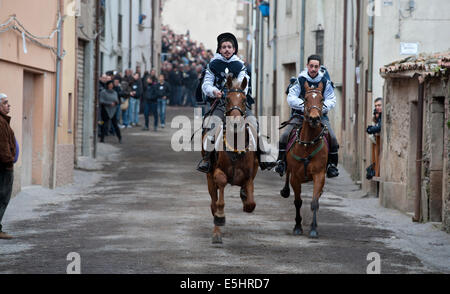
x=108 y=102
x=8 y=156
x=150 y=105
x=161 y=91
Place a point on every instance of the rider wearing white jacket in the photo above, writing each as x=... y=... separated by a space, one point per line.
x=314 y=76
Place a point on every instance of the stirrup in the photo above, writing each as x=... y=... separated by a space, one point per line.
x=204 y=166
x=332 y=171
x=280 y=168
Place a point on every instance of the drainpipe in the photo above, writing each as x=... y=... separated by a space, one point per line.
x=302 y=37
x=417 y=202
x=254 y=84
x=96 y=73
x=57 y=94
x=130 y=34
x=261 y=63
x=370 y=61
x=344 y=66
x=152 y=58
x=274 y=85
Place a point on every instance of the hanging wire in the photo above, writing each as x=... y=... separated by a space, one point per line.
x=7 y=26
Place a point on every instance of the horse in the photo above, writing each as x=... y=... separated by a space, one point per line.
x=307 y=158
x=231 y=165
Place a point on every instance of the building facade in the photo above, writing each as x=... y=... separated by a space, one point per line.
x=37 y=66
x=416 y=142
x=131 y=35
x=355 y=39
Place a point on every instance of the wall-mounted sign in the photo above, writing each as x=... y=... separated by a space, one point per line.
x=409 y=48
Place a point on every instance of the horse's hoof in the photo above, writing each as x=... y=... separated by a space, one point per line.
x=313 y=234
x=298 y=231
x=249 y=208
x=285 y=192
x=219 y=221
x=217 y=239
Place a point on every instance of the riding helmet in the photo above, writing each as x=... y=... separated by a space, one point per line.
x=227 y=37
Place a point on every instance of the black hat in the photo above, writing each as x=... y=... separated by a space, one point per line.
x=227 y=36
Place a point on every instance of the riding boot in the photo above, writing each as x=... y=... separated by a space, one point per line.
x=262 y=164
x=281 y=161
x=204 y=165
x=333 y=161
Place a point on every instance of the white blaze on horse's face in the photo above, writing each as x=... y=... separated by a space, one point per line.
x=314 y=96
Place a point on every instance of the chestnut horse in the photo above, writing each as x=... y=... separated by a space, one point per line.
x=307 y=158
x=232 y=166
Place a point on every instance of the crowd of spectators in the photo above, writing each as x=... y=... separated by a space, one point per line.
x=183 y=61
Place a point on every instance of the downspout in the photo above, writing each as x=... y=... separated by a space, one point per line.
x=356 y=85
x=274 y=85
x=344 y=66
x=152 y=58
x=370 y=61
x=96 y=73
x=130 y=35
x=302 y=37
x=254 y=84
x=57 y=94
x=417 y=202
x=261 y=63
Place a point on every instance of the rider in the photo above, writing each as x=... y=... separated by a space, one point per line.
x=314 y=76
x=224 y=61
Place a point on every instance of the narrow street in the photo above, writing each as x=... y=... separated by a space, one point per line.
x=145 y=210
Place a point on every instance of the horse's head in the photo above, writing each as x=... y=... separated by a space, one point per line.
x=313 y=105
x=235 y=101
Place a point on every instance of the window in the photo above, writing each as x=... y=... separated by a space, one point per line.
x=319 y=42
x=102 y=17
x=69 y=115
x=119 y=29
x=288 y=7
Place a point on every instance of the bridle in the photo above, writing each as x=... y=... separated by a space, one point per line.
x=235 y=107
x=308 y=109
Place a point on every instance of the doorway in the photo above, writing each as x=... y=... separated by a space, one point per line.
x=32 y=129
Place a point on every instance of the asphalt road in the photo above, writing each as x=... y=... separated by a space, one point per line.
x=148 y=211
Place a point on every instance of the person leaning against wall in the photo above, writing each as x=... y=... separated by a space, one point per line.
x=9 y=151
x=374 y=132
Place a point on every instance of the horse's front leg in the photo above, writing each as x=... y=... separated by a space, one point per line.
x=285 y=192
x=219 y=217
x=295 y=183
x=249 y=202
x=319 y=182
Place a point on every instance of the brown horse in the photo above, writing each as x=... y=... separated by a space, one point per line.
x=307 y=158
x=232 y=166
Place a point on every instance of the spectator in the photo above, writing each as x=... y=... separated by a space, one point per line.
x=135 y=100
x=161 y=91
x=374 y=131
x=125 y=114
x=9 y=150
x=108 y=103
x=190 y=84
x=175 y=81
x=150 y=105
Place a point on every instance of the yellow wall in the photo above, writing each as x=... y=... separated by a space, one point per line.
x=67 y=80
